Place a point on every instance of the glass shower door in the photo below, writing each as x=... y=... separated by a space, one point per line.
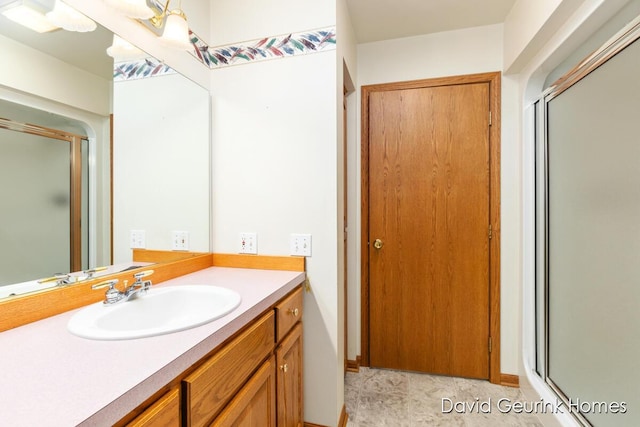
x=35 y=218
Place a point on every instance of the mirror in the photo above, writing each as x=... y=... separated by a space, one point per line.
x=152 y=176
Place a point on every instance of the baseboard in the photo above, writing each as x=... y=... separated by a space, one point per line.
x=510 y=380
x=341 y=423
x=343 y=417
x=353 y=365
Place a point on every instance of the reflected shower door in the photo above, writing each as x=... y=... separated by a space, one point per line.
x=35 y=219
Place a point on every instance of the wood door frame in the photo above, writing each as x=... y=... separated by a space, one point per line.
x=493 y=79
x=345 y=236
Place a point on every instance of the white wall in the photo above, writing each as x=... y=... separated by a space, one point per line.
x=274 y=165
x=22 y=70
x=234 y=21
x=274 y=173
x=467 y=51
x=161 y=162
x=526 y=30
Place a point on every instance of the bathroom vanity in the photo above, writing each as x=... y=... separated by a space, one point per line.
x=247 y=363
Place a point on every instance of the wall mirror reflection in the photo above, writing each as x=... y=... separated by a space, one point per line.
x=44 y=183
x=93 y=149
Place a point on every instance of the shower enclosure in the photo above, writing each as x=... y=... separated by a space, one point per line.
x=43 y=188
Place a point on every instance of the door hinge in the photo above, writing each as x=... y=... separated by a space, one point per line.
x=490 y=122
x=490 y=231
x=490 y=345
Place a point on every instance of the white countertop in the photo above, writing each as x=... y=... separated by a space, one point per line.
x=50 y=377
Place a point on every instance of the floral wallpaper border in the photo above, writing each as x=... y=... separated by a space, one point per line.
x=274 y=47
x=302 y=43
x=140 y=69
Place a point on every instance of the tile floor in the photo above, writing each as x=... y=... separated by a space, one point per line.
x=380 y=398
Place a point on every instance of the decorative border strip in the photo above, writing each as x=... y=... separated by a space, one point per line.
x=140 y=69
x=275 y=47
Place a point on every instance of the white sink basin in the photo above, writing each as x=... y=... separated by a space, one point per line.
x=161 y=311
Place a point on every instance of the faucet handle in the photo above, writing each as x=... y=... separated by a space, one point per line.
x=109 y=283
x=112 y=295
x=142 y=274
x=59 y=278
x=93 y=271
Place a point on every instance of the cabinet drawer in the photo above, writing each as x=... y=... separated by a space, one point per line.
x=288 y=313
x=212 y=385
x=164 y=412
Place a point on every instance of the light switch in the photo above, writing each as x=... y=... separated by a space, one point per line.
x=300 y=244
x=179 y=240
x=248 y=243
x=137 y=239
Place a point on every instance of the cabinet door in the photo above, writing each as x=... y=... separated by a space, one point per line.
x=255 y=403
x=289 y=360
x=214 y=383
x=164 y=412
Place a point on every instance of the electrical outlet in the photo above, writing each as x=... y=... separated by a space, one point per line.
x=179 y=240
x=137 y=239
x=300 y=244
x=248 y=243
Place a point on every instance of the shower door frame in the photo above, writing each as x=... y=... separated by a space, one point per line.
x=624 y=38
x=75 y=182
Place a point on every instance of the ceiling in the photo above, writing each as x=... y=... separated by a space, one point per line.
x=376 y=20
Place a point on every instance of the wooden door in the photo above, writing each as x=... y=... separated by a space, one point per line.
x=289 y=379
x=429 y=210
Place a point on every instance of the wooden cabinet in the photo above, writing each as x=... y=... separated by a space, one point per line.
x=289 y=379
x=253 y=380
x=288 y=313
x=255 y=403
x=218 y=379
x=165 y=412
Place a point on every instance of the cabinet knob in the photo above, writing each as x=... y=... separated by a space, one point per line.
x=284 y=367
x=294 y=312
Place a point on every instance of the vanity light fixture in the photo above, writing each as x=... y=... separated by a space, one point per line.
x=68 y=18
x=176 y=29
x=173 y=22
x=46 y=15
x=136 y=9
x=29 y=13
x=122 y=50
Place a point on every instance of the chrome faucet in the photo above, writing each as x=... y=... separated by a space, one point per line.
x=89 y=273
x=60 y=279
x=63 y=279
x=114 y=296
